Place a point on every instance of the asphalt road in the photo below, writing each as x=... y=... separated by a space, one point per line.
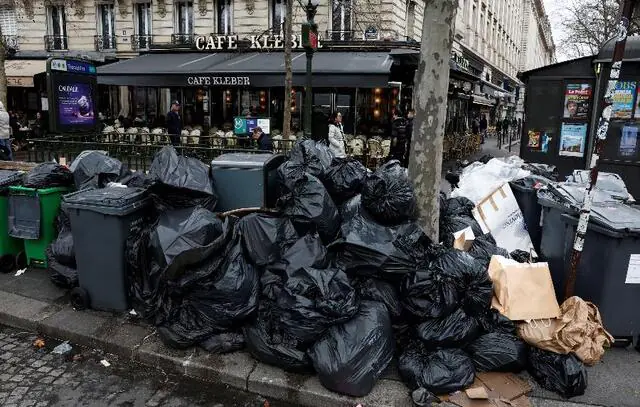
x=32 y=377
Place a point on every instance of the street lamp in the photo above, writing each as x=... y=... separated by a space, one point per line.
x=310 y=41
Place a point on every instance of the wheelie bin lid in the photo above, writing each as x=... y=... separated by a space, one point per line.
x=614 y=220
x=109 y=201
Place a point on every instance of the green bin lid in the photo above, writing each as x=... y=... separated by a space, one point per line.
x=106 y=198
x=9 y=177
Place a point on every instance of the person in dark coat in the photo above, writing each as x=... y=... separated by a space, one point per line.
x=174 y=123
x=398 y=137
x=264 y=141
x=409 y=130
x=475 y=126
x=483 y=127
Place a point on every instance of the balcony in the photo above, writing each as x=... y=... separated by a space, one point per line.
x=56 y=42
x=141 y=41
x=11 y=42
x=342 y=36
x=183 y=39
x=104 y=42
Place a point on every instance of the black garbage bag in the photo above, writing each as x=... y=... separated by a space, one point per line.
x=427 y=294
x=350 y=208
x=351 y=357
x=459 y=206
x=498 y=352
x=452 y=224
x=373 y=250
x=61 y=275
x=312 y=300
x=483 y=247
x=48 y=175
x=373 y=289
x=269 y=343
x=344 y=179
x=185 y=237
x=306 y=157
x=564 y=374
x=224 y=343
x=308 y=251
x=522 y=257
x=452 y=331
x=493 y=321
x=135 y=179
x=180 y=182
x=222 y=297
x=440 y=372
x=388 y=194
x=266 y=237
x=470 y=277
x=62 y=249
x=311 y=209
x=94 y=169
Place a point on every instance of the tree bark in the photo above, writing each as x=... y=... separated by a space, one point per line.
x=288 y=81
x=3 y=75
x=430 y=104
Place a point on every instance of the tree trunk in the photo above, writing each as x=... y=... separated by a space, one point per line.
x=430 y=104
x=288 y=81
x=3 y=75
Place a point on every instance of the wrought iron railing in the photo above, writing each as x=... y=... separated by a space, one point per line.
x=342 y=36
x=140 y=41
x=183 y=39
x=56 y=42
x=105 y=42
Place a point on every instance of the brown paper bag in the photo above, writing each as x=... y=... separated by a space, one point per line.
x=578 y=329
x=522 y=291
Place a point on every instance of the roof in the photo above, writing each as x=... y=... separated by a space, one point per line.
x=631 y=50
x=558 y=65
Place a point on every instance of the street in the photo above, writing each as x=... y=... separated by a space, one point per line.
x=39 y=378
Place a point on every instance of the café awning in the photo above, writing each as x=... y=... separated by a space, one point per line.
x=20 y=72
x=251 y=69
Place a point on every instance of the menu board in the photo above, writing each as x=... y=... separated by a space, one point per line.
x=577 y=100
x=623 y=100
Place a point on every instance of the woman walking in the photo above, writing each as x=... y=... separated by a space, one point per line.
x=336 y=135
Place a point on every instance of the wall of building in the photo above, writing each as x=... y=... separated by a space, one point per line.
x=538 y=48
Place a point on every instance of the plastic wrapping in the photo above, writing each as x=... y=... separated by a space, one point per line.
x=457 y=206
x=452 y=331
x=48 y=175
x=494 y=321
x=344 y=179
x=266 y=237
x=94 y=169
x=479 y=180
x=388 y=195
x=483 y=247
x=564 y=374
x=498 y=352
x=351 y=357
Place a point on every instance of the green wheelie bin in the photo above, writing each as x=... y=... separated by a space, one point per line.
x=11 y=248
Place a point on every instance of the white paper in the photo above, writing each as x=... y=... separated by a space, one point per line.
x=633 y=271
x=44 y=102
x=265 y=125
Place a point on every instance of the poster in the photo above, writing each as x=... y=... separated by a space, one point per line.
x=573 y=139
x=628 y=141
x=623 y=100
x=534 y=140
x=75 y=105
x=577 y=99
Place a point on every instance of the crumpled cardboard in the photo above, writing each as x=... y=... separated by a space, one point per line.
x=492 y=389
x=522 y=291
x=578 y=329
x=463 y=239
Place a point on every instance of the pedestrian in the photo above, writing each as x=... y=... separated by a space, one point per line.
x=13 y=123
x=505 y=128
x=398 y=137
x=498 y=129
x=409 y=130
x=483 y=128
x=475 y=126
x=5 y=132
x=336 y=135
x=262 y=140
x=174 y=123
x=38 y=126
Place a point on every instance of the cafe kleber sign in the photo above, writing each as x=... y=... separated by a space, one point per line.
x=220 y=42
x=208 y=80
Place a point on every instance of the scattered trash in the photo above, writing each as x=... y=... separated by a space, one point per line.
x=105 y=363
x=20 y=272
x=423 y=398
x=48 y=175
x=61 y=349
x=564 y=374
x=133 y=312
x=39 y=343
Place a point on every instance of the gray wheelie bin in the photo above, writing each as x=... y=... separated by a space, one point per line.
x=100 y=223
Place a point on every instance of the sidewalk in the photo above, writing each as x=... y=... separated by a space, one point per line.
x=32 y=303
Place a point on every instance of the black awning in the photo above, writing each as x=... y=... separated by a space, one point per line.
x=258 y=69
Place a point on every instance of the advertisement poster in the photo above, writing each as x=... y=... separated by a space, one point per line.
x=534 y=140
x=577 y=99
x=623 y=100
x=628 y=141
x=75 y=106
x=573 y=139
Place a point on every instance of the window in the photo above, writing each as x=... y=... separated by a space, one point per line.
x=411 y=14
x=225 y=17
x=143 y=18
x=341 y=19
x=106 y=27
x=8 y=21
x=277 y=12
x=184 y=17
x=56 y=38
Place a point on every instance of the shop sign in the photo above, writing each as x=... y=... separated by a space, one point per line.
x=220 y=42
x=20 y=81
x=205 y=80
x=461 y=62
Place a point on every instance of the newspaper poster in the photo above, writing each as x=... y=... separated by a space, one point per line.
x=577 y=99
x=623 y=96
x=534 y=140
x=573 y=138
x=628 y=141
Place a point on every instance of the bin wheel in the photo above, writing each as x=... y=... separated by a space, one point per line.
x=21 y=260
x=79 y=298
x=7 y=263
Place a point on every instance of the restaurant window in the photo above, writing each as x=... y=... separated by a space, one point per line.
x=225 y=17
x=253 y=102
x=106 y=27
x=146 y=108
x=8 y=21
x=341 y=19
x=277 y=15
x=143 y=18
x=184 y=18
x=56 y=28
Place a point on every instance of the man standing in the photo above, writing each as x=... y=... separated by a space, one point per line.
x=174 y=123
x=262 y=140
x=409 y=130
x=5 y=132
x=398 y=137
x=483 y=128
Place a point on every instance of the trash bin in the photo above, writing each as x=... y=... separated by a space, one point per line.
x=526 y=195
x=10 y=247
x=246 y=180
x=609 y=270
x=32 y=215
x=100 y=223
